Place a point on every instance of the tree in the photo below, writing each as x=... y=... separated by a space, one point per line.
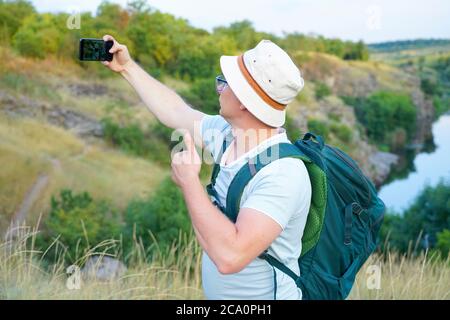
x=39 y=35
x=12 y=14
x=242 y=31
x=356 y=51
x=425 y=221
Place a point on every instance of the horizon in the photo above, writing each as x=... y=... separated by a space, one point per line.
x=370 y=21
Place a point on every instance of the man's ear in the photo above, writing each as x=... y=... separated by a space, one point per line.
x=242 y=107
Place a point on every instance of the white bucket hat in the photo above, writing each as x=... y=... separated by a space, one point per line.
x=265 y=80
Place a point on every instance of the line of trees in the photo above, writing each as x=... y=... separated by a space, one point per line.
x=159 y=41
x=425 y=225
x=392 y=46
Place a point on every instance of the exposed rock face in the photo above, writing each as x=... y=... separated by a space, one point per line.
x=381 y=163
x=79 y=89
x=103 y=268
x=360 y=79
x=59 y=116
x=425 y=116
x=77 y=122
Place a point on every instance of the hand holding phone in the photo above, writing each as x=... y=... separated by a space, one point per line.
x=121 y=57
x=95 y=49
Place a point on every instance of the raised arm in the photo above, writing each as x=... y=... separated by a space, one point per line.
x=167 y=106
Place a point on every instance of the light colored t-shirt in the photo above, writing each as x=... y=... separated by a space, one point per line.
x=282 y=191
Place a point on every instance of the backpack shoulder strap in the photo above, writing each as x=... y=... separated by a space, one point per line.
x=253 y=166
x=215 y=172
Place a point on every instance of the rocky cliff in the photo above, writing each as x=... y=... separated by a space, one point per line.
x=357 y=79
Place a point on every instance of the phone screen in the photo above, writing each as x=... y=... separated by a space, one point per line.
x=95 y=50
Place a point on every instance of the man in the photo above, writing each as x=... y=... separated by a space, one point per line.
x=254 y=91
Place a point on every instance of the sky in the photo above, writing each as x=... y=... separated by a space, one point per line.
x=368 y=20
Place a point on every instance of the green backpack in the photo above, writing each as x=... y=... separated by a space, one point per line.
x=342 y=224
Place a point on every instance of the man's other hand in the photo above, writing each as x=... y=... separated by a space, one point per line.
x=121 y=56
x=186 y=164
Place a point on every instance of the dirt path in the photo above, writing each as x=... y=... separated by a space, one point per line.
x=30 y=197
x=19 y=217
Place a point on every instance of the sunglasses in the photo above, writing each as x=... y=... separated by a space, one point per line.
x=221 y=84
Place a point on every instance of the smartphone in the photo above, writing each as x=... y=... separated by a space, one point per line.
x=95 y=50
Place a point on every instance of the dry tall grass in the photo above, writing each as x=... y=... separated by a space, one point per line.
x=171 y=275
x=177 y=275
x=402 y=277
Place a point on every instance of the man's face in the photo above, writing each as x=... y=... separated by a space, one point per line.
x=230 y=106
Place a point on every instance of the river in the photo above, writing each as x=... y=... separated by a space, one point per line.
x=429 y=169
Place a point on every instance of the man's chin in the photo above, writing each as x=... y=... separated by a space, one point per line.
x=223 y=114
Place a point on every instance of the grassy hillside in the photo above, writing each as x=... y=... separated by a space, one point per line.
x=40 y=143
x=428 y=60
x=32 y=147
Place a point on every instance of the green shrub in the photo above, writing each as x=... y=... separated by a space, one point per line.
x=322 y=90
x=429 y=86
x=443 y=242
x=153 y=143
x=389 y=118
x=79 y=223
x=202 y=95
x=342 y=132
x=385 y=111
x=26 y=42
x=334 y=116
x=130 y=138
x=160 y=217
x=318 y=127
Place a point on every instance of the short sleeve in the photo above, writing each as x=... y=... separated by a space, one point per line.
x=213 y=131
x=280 y=190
